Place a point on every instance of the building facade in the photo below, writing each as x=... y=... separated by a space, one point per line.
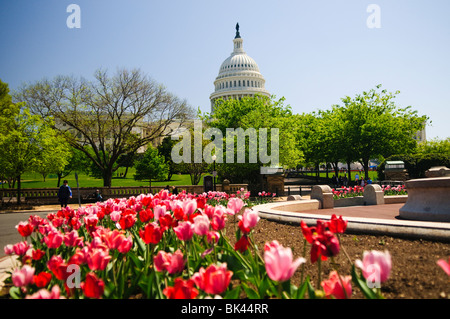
x=239 y=76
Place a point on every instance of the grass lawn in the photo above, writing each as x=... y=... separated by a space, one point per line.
x=34 y=180
x=372 y=174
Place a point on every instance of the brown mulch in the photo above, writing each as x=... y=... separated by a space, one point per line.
x=414 y=274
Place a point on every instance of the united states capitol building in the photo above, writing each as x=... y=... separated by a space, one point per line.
x=239 y=75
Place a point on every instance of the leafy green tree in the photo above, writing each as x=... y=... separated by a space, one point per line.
x=151 y=166
x=114 y=115
x=376 y=127
x=165 y=149
x=435 y=146
x=27 y=143
x=255 y=113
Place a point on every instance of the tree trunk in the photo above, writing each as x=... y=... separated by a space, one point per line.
x=18 y=191
x=107 y=178
x=349 y=177
x=126 y=171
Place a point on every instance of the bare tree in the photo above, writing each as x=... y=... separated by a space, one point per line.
x=109 y=116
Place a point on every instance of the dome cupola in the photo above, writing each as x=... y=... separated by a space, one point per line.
x=239 y=75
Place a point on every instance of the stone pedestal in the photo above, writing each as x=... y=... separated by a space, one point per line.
x=324 y=195
x=373 y=195
x=428 y=199
x=275 y=184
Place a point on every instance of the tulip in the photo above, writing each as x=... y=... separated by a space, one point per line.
x=8 y=249
x=45 y=294
x=151 y=234
x=146 y=215
x=159 y=211
x=182 y=289
x=189 y=206
x=125 y=245
x=279 y=262
x=242 y=244
x=37 y=254
x=235 y=204
x=339 y=288
x=127 y=221
x=218 y=219
x=42 y=279
x=98 y=259
x=115 y=216
x=23 y=277
x=184 y=230
x=53 y=239
x=214 y=279
x=337 y=225
x=375 y=263
x=21 y=248
x=250 y=218
x=72 y=240
x=201 y=225
x=25 y=229
x=444 y=265
x=93 y=287
x=172 y=263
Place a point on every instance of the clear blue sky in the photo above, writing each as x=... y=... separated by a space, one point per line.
x=311 y=52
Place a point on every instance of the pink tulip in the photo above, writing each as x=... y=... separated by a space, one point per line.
x=97 y=259
x=189 y=206
x=23 y=277
x=172 y=263
x=333 y=286
x=45 y=294
x=279 y=262
x=159 y=211
x=184 y=230
x=375 y=266
x=235 y=204
x=21 y=248
x=444 y=265
x=214 y=279
x=115 y=215
x=250 y=218
x=219 y=218
x=201 y=225
x=72 y=240
x=9 y=250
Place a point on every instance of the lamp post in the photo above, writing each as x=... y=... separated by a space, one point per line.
x=214 y=157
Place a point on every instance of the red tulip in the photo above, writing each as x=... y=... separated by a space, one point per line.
x=339 y=288
x=337 y=225
x=214 y=280
x=37 y=254
x=151 y=234
x=242 y=244
x=146 y=215
x=42 y=279
x=127 y=221
x=93 y=287
x=182 y=289
x=25 y=229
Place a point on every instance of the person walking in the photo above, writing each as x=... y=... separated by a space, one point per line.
x=64 y=193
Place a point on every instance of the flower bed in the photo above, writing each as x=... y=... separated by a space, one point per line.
x=167 y=246
x=347 y=192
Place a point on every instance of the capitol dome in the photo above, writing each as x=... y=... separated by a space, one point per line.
x=239 y=76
